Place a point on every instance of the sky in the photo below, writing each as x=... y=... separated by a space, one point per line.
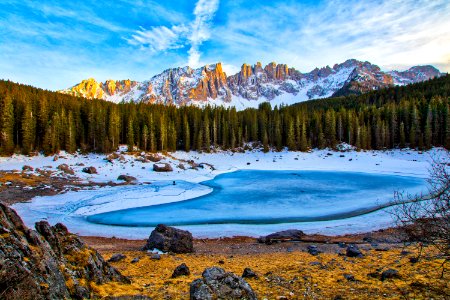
x=56 y=44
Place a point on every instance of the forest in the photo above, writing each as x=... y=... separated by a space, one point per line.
x=415 y=116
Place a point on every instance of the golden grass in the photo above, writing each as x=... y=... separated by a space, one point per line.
x=288 y=274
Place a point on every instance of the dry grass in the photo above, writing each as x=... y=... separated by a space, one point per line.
x=289 y=274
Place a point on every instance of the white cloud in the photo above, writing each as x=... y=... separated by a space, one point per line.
x=386 y=32
x=160 y=38
x=204 y=13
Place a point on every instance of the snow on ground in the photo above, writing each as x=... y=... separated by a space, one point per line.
x=72 y=208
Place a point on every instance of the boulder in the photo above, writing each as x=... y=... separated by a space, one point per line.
x=218 y=284
x=248 y=273
x=313 y=250
x=66 y=169
x=181 y=270
x=27 y=168
x=116 y=257
x=390 y=273
x=90 y=170
x=353 y=251
x=171 y=239
x=126 y=178
x=49 y=263
x=283 y=236
x=162 y=167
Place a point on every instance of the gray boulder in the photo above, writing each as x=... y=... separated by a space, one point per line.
x=218 y=284
x=353 y=251
x=171 y=239
x=181 y=270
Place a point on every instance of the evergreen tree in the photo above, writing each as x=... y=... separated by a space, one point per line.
x=28 y=129
x=130 y=136
x=7 y=125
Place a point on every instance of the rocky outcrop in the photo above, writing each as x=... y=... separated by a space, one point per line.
x=171 y=239
x=49 y=263
x=282 y=236
x=218 y=284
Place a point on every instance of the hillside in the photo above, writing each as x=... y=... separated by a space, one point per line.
x=415 y=115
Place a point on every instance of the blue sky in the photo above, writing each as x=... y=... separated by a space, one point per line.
x=56 y=44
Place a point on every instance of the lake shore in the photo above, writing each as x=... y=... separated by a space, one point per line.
x=192 y=168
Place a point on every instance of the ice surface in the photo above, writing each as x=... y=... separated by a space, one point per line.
x=72 y=208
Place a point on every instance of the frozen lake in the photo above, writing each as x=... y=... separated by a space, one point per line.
x=256 y=197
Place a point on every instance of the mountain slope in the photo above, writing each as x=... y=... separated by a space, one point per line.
x=253 y=85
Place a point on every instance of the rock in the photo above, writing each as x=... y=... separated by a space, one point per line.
x=413 y=260
x=349 y=277
x=312 y=249
x=283 y=236
x=181 y=270
x=248 y=273
x=390 y=273
x=27 y=168
x=112 y=156
x=353 y=251
x=135 y=260
x=90 y=170
x=155 y=256
x=162 y=167
x=117 y=257
x=154 y=157
x=218 y=284
x=66 y=169
x=128 y=297
x=49 y=263
x=55 y=158
x=126 y=178
x=171 y=239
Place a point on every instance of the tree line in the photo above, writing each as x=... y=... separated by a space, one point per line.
x=415 y=116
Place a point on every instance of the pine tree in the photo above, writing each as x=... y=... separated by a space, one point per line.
x=114 y=128
x=7 y=125
x=28 y=129
x=428 y=133
x=130 y=135
x=303 y=145
x=402 y=135
x=187 y=135
x=70 y=141
x=145 y=138
x=290 y=142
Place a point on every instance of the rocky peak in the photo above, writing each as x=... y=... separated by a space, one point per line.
x=274 y=82
x=49 y=263
x=415 y=74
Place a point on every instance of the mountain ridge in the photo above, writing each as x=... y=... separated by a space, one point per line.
x=252 y=85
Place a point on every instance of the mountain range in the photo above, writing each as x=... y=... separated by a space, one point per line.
x=253 y=85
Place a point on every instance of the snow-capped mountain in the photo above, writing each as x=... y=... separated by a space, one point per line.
x=253 y=85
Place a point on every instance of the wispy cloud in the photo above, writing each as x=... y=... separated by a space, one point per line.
x=162 y=38
x=204 y=13
x=385 y=32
